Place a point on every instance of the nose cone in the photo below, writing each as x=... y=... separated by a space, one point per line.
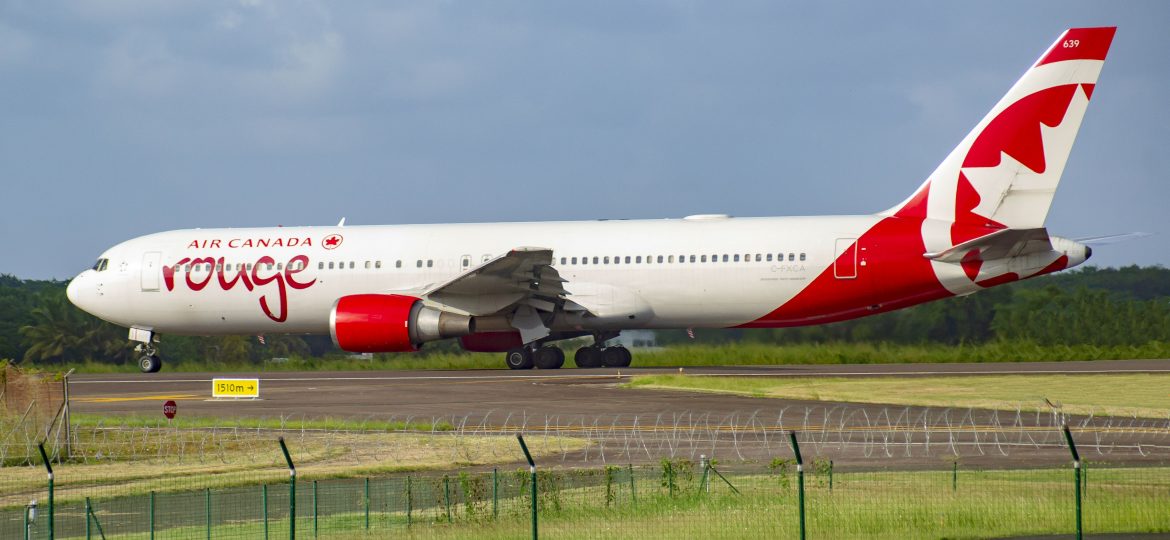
x=77 y=293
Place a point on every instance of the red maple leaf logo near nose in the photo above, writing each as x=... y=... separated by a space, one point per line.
x=332 y=241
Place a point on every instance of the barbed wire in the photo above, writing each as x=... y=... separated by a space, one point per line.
x=864 y=432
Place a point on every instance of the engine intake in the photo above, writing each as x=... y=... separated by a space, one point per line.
x=391 y=323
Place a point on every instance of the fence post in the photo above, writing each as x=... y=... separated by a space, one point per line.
x=367 y=502
x=532 y=470
x=31 y=508
x=65 y=414
x=495 y=492
x=89 y=515
x=49 y=469
x=447 y=496
x=1072 y=447
x=152 y=515
x=207 y=512
x=292 y=492
x=409 y=502
x=955 y=476
x=830 y=475
x=704 y=483
x=799 y=479
x=264 y=497
x=314 y=508
x=633 y=494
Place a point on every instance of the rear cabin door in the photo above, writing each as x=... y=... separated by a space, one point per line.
x=150 y=270
x=845 y=267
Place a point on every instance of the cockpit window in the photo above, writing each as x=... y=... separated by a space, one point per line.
x=101 y=265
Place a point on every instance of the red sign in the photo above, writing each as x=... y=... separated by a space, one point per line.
x=170 y=408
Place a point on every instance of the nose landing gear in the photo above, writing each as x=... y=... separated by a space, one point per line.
x=149 y=362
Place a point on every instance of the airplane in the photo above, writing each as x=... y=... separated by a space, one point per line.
x=976 y=222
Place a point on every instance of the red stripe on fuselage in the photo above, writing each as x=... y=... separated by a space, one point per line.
x=894 y=275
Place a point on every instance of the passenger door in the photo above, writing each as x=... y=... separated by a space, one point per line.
x=150 y=270
x=845 y=266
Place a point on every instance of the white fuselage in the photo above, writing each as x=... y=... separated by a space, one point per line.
x=709 y=292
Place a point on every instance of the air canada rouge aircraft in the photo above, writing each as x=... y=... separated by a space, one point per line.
x=976 y=222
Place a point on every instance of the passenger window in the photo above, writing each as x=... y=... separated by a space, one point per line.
x=320 y=266
x=573 y=260
x=791 y=257
x=628 y=259
x=367 y=265
x=638 y=259
x=692 y=258
x=769 y=257
x=605 y=260
x=270 y=266
x=703 y=259
x=736 y=258
x=351 y=265
x=377 y=264
x=725 y=257
x=430 y=263
x=595 y=259
x=584 y=260
x=660 y=259
x=418 y=263
x=802 y=256
x=564 y=261
x=331 y=265
x=398 y=263
x=279 y=266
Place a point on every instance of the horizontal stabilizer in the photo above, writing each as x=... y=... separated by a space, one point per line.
x=1002 y=244
x=1111 y=238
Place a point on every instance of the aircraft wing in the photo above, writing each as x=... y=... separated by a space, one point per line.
x=1001 y=244
x=523 y=275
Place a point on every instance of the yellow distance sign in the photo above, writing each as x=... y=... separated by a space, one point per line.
x=235 y=388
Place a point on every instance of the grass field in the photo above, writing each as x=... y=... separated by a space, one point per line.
x=860 y=505
x=84 y=420
x=119 y=460
x=1119 y=394
x=703 y=355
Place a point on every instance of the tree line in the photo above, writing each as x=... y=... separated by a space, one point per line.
x=1090 y=306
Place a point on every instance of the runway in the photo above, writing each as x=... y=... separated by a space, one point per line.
x=593 y=392
x=643 y=424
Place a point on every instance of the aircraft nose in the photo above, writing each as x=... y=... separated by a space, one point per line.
x=74 y=291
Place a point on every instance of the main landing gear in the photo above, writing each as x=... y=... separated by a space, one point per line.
x=550 y=357
x=541 y=357
x=595 y=357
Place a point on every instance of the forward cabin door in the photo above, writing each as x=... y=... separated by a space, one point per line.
x=845 y=267
x=150 y=270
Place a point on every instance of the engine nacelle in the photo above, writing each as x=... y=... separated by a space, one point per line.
x=390 y=323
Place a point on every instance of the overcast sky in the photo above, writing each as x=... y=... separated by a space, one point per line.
x=122 y=118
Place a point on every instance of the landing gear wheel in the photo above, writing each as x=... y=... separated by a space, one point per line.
x=549 y=358
x=616 y=357
x=588 y=357
x=150 y=363
x=520 y=358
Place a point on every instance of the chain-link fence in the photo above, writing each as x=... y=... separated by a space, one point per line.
x=671 y=498
x=34 y=407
